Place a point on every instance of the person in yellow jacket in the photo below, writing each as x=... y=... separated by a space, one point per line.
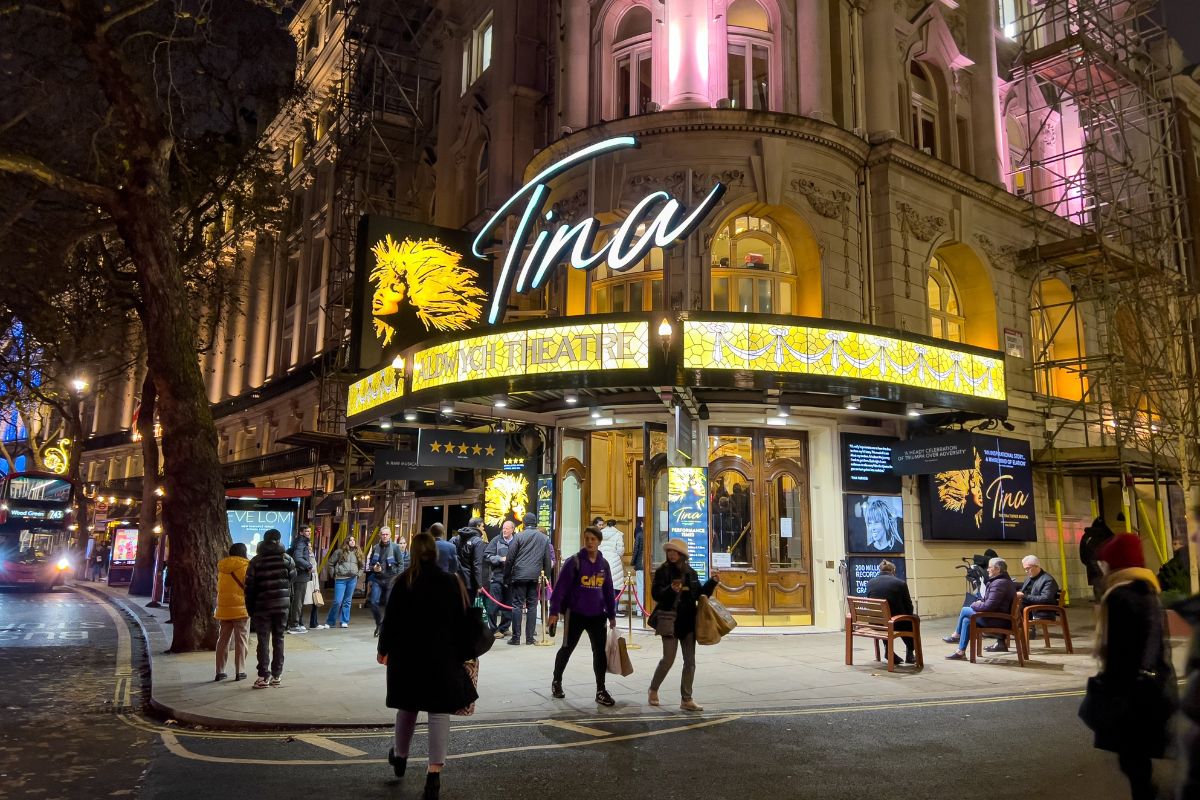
x=231 y=611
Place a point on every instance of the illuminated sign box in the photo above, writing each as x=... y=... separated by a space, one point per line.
x=374 y=390
x=566 y=348
x=829 y=352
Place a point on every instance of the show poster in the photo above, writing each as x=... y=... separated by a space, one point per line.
x=545 y=502
x=860 y=569
x=874 y=523
x=124 y=546
x=250 y=518
x=413 y=282
x=867 y=464
x=687 y=513
x=990 y=501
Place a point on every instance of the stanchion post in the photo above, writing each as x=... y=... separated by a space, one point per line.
x=544 y=608
x=630 y=582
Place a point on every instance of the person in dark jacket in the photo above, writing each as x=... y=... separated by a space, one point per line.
x=637 y=564
x=468 y=546
x=423 y=645
x=269 y=581
x=1130 y=643
x=886 y=586
x=676 y=587
x=301 y=553
x=447 y=558
x=1189 y=609
x=585 y=595
x=384 y=563
x=1090 y=543
x=1039 y=588
x=528 y=560
x=998 y=594
x=496 y=556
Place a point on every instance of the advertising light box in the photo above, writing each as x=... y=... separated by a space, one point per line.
x=990 y=501
x=874 y=523
x=250 y=518
x=861 y=569
x=867 y=464
x=124 y=546
x=687 y=513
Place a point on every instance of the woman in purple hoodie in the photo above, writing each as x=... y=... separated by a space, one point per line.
x=584 y=595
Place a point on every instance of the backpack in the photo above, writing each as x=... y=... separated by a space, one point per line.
x=466 y=565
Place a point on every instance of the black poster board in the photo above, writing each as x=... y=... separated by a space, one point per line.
x=992 y=501
x=874 y=523
x=860 y=569
x=867 y=464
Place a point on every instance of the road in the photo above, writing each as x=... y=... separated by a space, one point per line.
x=73 y=727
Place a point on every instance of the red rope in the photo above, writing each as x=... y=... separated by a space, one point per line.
x=638 y=600
x=494 y=600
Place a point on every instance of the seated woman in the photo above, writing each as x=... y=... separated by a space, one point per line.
x=998 y=594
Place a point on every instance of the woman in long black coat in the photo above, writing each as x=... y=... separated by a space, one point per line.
x=422 y=643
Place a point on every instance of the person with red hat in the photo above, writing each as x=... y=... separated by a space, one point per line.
x=1189 y=609
x=1130 y=702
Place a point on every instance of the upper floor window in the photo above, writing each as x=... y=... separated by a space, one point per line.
x=639 y=287
x=313 y=35
x=945 y=312
x=477 y=53
x=752 y=268
x=1018 y=156
x=633 y=63
x=924 y=109
x=1007 y=14
x=748 y=57
x=481 y=180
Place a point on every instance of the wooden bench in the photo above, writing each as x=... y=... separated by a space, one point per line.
x=992 y=623
x=1030 y=625
x=873 y=619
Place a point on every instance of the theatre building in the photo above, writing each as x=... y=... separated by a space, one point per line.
x=697 y=265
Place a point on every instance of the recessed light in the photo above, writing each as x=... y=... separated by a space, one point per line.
x=410 y=416
x=500 y=401
x=570 y=397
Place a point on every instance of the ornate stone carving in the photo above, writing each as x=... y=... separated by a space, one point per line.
x=672 y=183
x=1001 y=255
x=569 y=207
x=702 y=182
x=923 y=228
x=831 y=204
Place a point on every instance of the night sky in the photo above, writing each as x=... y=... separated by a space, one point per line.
x=1184 y=23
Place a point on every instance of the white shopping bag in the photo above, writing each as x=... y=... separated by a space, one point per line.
x=612 y=651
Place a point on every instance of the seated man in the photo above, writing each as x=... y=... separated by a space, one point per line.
x=886 y=586
x=998 y=594
x=1039 y=589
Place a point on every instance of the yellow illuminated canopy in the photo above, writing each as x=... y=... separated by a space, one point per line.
x=375 y=390
x=805 y=350
x=565 y=348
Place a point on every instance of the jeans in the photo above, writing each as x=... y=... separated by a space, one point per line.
x=296 y=610
x=237 y=630
x=963 y=626
x=269 y=630
x=378 y=588
x=343 y=593
x=670 y=645
x=499 y=618
x=525 y=602
x=439 y=735
x=597 y=631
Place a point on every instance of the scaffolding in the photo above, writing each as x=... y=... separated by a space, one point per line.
x=1114 y=301
x=382 y=128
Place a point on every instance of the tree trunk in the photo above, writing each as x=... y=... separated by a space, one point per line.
x=194 y=505
x=143 y=571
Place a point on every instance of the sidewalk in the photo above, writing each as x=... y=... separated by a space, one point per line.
x=331 y=678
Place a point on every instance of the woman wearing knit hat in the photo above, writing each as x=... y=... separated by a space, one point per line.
x=676 y=588
x=1130 y=702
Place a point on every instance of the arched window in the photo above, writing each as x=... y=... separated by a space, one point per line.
x=924 y=109
x=481 y=179
x=637 y=288
x=752 y=268
x=1018 y=157
x=1057 y=340
x=748 y=58
x=633 y=63
x=946 y=319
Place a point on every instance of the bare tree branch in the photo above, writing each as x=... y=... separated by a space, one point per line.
x=18 y=164
x=120 y=16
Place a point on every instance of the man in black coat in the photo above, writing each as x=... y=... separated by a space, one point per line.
x=268 y=597
x=469 y=546
x=301 y=553
x=528 y=560
x=1039 y=588
x=886 y=586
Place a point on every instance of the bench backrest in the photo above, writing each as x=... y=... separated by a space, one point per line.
x=868 y=612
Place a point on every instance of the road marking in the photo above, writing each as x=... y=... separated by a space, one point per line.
x=332 y=746
x=123 y=670
x=571 y=726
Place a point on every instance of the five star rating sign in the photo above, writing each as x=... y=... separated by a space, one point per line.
x=441 y=448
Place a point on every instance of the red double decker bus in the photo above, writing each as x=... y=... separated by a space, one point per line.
x=36 y=512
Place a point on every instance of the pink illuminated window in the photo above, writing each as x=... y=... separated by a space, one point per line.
x=633 y=62
x=748 y=57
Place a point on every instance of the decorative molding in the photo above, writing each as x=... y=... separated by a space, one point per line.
x=569 y=207
x=831 y=204
x=703 y=182
x=672 y=182
x=924 y=228
x=1001 y=255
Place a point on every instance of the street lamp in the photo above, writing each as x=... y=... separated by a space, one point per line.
x=79 y=385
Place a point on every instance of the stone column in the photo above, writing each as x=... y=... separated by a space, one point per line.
x=814 y=38
x=688 y=54
x=986 y=135
x=879 y=46
x=576 y=56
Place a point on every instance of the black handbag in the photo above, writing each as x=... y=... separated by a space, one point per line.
x=1132 y=709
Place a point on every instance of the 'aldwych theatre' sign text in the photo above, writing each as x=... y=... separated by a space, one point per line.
x=553 y=244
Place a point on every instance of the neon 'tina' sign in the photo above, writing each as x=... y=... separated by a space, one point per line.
x=576 y=243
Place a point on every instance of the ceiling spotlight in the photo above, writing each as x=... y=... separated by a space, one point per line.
x=852 y=402
x=571 y=397
x=447 y=407
x=604 y=420
x=702 y=411
x=500 y=401
x=597 y=413
x=914 y=409
x=783 y=411
x=776 y=422
x=410 y=416
x=386 y=424
x=1008 y=426
x=398 y=362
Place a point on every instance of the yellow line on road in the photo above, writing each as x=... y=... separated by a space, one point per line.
x=123 y=670
x=332 y=746
x=571 y=726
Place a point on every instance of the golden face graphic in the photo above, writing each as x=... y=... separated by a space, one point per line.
x=504 y=497
x=422 y=280
x=961 y=490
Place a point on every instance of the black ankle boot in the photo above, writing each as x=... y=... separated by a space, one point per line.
x=433 y=785
x=399 y=763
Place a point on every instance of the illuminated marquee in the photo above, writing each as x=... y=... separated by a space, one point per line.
x=566 y=348
x=797 y=349
x=375 y=390
x=627 y=247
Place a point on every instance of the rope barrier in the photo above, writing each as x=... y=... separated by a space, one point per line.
x=638 y=600
x=494 y=600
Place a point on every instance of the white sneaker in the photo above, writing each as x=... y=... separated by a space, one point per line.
x=301 y=629
x=321 y=627
x=344 y=625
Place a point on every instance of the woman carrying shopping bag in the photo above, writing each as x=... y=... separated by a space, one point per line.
x=676 y=589
x=584 y=595
x=424 y=641
x=347 y=564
